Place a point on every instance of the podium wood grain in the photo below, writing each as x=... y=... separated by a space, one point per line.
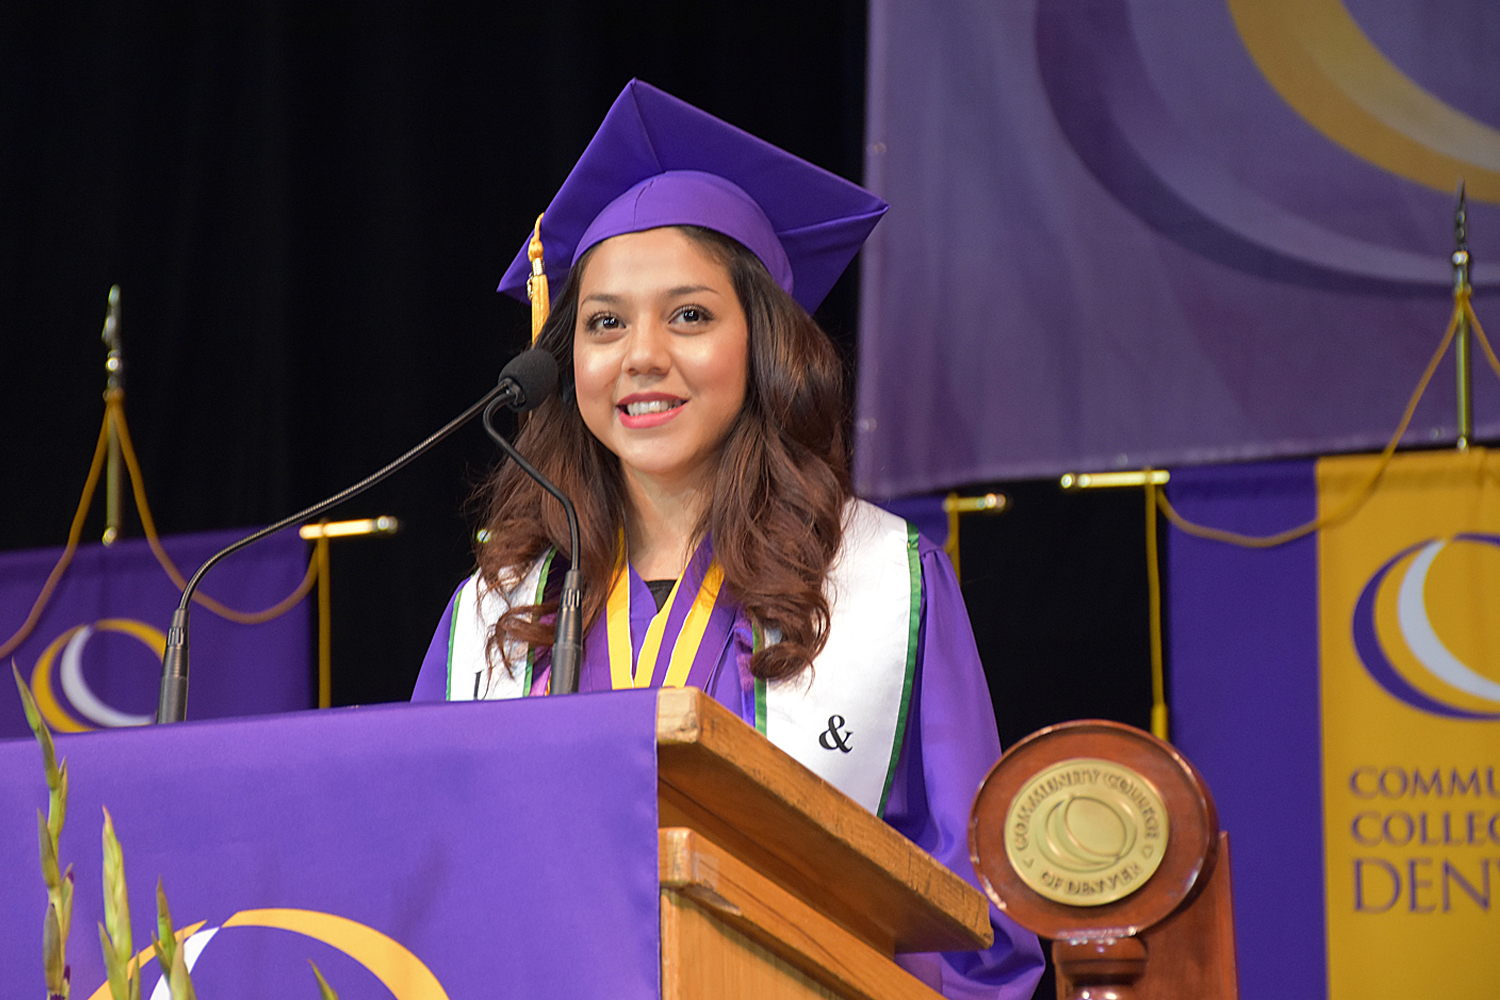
x=775 y=884
x=727 y=930
x=1192 y=952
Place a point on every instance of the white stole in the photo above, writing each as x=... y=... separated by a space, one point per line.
x=844 y=720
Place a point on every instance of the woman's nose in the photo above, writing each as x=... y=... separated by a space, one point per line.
x=646 y=349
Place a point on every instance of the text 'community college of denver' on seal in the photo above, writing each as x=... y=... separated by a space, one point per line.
x=1086 y=832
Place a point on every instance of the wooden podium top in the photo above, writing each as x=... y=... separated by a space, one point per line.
x=722 y=778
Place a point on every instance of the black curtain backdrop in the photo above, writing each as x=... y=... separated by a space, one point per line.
x=308 y=206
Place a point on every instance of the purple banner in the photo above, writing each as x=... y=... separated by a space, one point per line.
x=416 y=852
x=94 y=658
x=1127 y=232
x=1244 y=697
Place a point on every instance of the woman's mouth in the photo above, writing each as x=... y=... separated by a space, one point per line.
x=648 y=411
x=651 y=406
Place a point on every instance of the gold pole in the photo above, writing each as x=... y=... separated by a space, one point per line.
x=954 y=505
x=325 y=625
x=950 y=544
x=114 y=388
x=1152 y=480
x=1153 y=596
x=1461 y=347
x=320 y=534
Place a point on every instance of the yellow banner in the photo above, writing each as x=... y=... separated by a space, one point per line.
x=1409 y=593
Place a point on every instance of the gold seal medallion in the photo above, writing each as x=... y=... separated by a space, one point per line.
x=1085 y=832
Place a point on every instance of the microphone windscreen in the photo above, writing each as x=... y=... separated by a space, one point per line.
x=535 y=374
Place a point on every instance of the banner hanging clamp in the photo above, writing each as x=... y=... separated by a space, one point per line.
x=988 y=503
x=1105 y=480
x=383 y=525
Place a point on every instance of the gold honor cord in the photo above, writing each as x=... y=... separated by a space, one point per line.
x=685 y=650
x=645 y=665
x=1316 y=57
x=624 y=675
x=617 y=619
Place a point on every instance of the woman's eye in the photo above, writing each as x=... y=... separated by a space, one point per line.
x=603 y=321
x=693 y=314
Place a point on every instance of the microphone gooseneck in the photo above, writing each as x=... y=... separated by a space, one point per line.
x=529 y=378
x=567 y=646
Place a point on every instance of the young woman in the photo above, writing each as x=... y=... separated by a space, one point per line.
x=700 y=432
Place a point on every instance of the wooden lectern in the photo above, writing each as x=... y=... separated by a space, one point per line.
x=775 y=885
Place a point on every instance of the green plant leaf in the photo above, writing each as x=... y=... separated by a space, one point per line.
x=57 y=801
x=178 y=980
x=47 y=847
x=113 y=967
x=117 y=908
x=166 y=939
x=38 y=728
x=59 y=915
x=324 y=990
x=54 y=965
x=65 y=904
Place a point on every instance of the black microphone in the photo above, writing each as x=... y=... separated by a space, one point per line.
x=525 y=382
x=567 y=644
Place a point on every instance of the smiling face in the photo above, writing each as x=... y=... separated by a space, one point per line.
x=660 y=356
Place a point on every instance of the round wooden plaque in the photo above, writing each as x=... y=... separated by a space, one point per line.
x=1066 y=836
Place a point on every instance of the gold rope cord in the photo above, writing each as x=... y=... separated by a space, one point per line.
x=114 y=414
x=74 y=533
x=223 y=611
x=1462 y=309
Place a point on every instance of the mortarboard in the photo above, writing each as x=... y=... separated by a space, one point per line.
x=658 y=161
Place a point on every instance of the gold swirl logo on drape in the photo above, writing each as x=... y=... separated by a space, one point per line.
x=401 y=972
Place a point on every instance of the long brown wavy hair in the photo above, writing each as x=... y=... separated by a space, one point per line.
x=779 y=489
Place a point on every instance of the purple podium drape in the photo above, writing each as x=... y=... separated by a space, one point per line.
x=493 y=849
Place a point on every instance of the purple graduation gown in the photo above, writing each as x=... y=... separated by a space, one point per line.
x=951 y=743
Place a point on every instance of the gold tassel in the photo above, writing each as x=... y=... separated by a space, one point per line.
x=536 y=285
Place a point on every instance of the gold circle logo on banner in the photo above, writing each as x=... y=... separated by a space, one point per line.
x=1322 y=63
x=1086 y=831
x=68 y=650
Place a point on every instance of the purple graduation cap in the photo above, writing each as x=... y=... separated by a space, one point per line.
x=657 y=161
